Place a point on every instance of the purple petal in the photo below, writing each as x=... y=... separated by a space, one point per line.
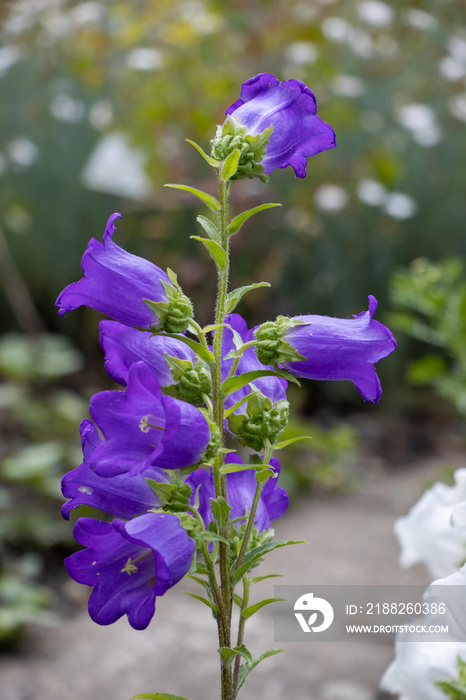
x=122 y=496
x=290 y=107
x=342 y=349
x=115 y=282
x=129 y=564
x=124 y=346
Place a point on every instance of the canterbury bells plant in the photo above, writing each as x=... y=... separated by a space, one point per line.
x=161 y=455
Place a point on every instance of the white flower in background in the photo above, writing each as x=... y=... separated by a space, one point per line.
x=418 y=666
x=67 y=109
x=419 y=19
x=426 y=534
x=451 y=591
x=421 y=121
x=331 y=198
x=457 y=106
x=348 y=86
x=87 y=13
x=375 y=12
x=22 y=151
x=101 y=114
x=9 y=55
x=144 y=59
x=301 y=53
x=337 y=29
x=371 y=192
x=451 y=69
x=400 y=206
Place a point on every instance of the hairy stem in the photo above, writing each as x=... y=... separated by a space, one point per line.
x=241 y=626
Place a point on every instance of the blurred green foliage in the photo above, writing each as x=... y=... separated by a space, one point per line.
x=39 y=420
x=432 y=302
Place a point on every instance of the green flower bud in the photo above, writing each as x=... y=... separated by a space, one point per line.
x=175 y=496
x=263 y=421
x=231 y=136
x=192 y=383
x=176 y=313
x=271 y=349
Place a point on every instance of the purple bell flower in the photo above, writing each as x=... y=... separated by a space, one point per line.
x=129 y=564
x=337 y=349
x=290 y=108
x=115 y=282
x=124 y=346
x=122 y=496
x=241 y=487
x=144 y=428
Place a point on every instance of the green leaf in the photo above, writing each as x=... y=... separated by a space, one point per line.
x=231 y=410
x=230 y=166
x=209 y=227
x=235 y=296
x=246 y=668
x=211 y=161
x=452 y=689
x=228 y=654
x=248 y=612
x=216 y=252
x=253 y=557
x=211 y=202
x=232 y=384
x=220 y=510
x=200 y=350
x=239 y=220
x=231 y=468
x=209 y=604
x=257 y=579
x=238 y=600
x=157 y=696
x=285 y=443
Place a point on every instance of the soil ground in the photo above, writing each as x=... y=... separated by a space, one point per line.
x=350 y=541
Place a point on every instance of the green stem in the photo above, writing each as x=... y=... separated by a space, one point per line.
x=241 y=626
x=218 y=410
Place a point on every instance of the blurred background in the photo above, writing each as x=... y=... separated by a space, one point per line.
x=96 y=101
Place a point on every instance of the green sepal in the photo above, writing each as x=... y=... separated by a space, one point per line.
x=157 y=696
x=216 y=252
x=249 y=611
x=209 y=227
x=236 y=295
x=220 y=511
x=211 y=161
x=209 y=604
x=236 y=223
x=285 y=443
x=200 y=350
x=230 y=165
x=247 y=667
x=253 y=557
x=232 y=384
x=174 y=496
x=208 y=199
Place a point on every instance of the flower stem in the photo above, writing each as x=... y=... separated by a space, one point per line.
x=218 y=411
x=241 y=626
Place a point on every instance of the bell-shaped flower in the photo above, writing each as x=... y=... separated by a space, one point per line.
x=337 y=348
x=241 y=487
x=117 y=283
x=122 y=496
x=142 y=428
x=420 y=665
x=433 y=532
x=124 y=346
x=273 y=388
x=290 y=108
x=129 y=564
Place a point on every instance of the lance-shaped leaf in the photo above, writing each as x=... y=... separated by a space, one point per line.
x=208 y=199
x=209 y=604
x=236 y=295
x=211 y=161
x=200 y=350
x=157 y=696
x=255 y=555
x=230 y=165
x=247 y=667
x=209 y=227
x=285 y=443
x=216 y=252
x=248 y=612
x=232 y=384
x=238 y=221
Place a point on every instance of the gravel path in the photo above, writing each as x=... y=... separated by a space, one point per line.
x=350 y=541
